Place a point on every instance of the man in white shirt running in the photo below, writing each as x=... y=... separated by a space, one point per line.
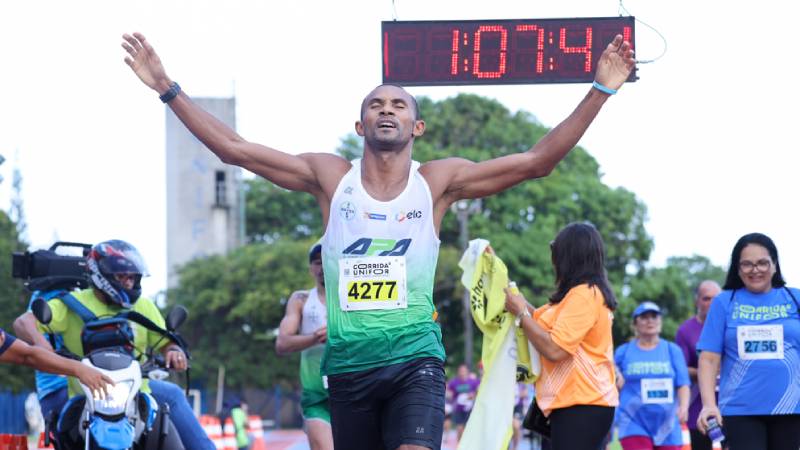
x=304 y=329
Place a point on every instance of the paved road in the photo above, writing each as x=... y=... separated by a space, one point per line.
x=296 y=440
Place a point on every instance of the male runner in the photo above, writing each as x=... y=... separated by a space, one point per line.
x=304 y=329
x=382 y=215
x=687 y=336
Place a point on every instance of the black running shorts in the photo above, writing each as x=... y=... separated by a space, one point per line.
x=386 y=407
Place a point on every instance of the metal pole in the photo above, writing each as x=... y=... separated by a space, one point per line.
x=463 y=221
x=220 y=387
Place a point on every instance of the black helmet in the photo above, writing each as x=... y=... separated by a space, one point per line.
x=116 y=257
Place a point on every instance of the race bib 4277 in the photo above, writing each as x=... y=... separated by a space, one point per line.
x=372 y=282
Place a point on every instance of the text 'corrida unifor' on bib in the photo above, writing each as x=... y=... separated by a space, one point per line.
x=760 y=341
x=657 y=390
x=372 y=282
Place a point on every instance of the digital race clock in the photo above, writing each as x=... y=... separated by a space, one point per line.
x=520 y=51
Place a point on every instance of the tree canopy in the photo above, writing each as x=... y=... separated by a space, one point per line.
x=13 y=302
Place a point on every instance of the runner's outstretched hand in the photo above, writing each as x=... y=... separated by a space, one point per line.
x=615 y=64
x=144 y=62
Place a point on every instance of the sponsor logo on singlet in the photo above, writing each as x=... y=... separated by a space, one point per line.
x=347 y=210
x=374 y=216
x=377 y=247
x=403 y=215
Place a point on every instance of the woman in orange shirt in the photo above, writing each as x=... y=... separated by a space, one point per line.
x=572 y=333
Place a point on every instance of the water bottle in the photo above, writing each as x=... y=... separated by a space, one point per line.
x=714 y=431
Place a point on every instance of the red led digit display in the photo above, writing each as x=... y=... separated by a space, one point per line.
x=519 y=51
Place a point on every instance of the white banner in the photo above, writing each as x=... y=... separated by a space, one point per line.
x=489 y=425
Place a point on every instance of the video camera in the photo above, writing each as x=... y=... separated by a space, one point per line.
x=46 y=270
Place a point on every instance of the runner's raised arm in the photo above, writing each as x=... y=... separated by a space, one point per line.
x=310 y=172
x=457 y=178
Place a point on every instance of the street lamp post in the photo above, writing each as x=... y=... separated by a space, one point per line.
x=463 y=209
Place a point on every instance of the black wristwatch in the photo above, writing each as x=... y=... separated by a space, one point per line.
x=172 y=92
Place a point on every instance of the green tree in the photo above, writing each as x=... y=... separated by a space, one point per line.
x=235 y=304
x=13 y=301
x=273 y=213
x=17 y=211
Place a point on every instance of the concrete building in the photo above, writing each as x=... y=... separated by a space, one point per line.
x=205 y=201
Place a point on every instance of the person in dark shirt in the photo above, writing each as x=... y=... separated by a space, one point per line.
x=686 y=338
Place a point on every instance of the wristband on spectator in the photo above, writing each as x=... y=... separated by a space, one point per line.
x=603 y=89
x=525 y=313
x=172 y=92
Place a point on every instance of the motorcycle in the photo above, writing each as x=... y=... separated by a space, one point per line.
x=126 y=418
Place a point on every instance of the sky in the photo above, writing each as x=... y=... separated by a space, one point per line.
x=706 y=138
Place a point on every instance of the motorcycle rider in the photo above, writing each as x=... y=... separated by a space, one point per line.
x=115 y=271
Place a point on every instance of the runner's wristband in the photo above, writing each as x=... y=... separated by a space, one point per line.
x=603 y=89
x=172 y=92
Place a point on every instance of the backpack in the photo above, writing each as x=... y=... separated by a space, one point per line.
x=110 y=332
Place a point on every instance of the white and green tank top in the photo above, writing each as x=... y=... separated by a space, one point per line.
x=314 y=317
x=379 y=260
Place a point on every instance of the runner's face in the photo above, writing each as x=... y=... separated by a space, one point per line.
x=756 y=268
x=315 y=269
x=705 y=294
x=388 y=119
x=648 y=324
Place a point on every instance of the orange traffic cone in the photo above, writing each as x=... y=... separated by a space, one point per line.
x=40 y=445
x=256 y=428
x=213 y=430
x=13 y=442
x=687 y=437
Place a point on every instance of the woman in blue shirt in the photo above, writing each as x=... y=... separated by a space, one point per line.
x=753 y=332
x=654 y=386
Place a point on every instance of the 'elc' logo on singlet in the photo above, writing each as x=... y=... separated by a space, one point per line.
x=378 y=247
x=403 y=215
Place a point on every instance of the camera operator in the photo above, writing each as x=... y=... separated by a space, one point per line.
x=115 y=269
